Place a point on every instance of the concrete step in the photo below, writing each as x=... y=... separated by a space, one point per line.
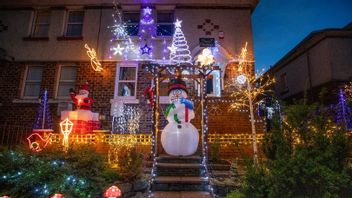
x=179 y=159
x=180 y=169
x=181 y=194
x=176 y=183
x=180 y=179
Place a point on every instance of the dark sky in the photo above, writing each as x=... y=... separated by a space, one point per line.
x=279 y=25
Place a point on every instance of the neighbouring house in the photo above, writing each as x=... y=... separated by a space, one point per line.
x=45 y=40
x=322 y=60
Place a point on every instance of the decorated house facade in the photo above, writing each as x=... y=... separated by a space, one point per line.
x=59 y=46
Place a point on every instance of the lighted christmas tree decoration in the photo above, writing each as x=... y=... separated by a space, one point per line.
x=147 y=18
x=206 y=57
x=37 y=143
x=343 y=111
x=66 y=128
x=94 y=62
x=112 y=192
x=43 y=119
x=179 y=49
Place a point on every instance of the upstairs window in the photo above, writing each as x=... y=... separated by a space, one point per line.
x=67 y=80
x=132 y=22
x=74 y=23
x=33 y=82
x=165 y=23
x=126 y=81
x=41 y=24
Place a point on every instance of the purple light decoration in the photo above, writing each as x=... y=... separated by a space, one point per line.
x=147 y=16
x=147 y=32
x=343 y=111
x=146 y=49
x=43 y=119
x=164 y=49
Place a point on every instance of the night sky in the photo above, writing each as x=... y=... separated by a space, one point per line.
x=279 y=25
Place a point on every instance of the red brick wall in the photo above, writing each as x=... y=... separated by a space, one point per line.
x=101 y=88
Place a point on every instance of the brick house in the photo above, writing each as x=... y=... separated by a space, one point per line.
x=43 y=48
x=322 y=59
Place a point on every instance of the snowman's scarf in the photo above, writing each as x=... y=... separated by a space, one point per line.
x=172 y=106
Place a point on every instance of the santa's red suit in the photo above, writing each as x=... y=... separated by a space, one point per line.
x=81 y=100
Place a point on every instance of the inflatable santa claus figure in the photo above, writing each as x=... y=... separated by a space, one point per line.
x=84 y=119
x=81 y=100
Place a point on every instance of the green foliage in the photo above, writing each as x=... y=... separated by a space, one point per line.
x=130 y=164
x=306 y=156
x=80 y=172
x=215 y=150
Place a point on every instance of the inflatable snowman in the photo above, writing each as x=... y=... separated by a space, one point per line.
x=179 y=137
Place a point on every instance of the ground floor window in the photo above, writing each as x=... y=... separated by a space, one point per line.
x=126 y=81
x=67 y=80
x=32 y=82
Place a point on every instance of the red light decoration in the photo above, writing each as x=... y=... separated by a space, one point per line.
x=58 y=195
x=36 y=142
x=112 y=192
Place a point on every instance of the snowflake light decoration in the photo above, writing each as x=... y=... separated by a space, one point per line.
x=241 y=79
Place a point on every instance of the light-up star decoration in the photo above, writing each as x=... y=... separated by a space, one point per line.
x=241 y=79
x=146 y=49
x=172 y=49
x=66 y=128
x=117 y=50
x=206 y=57
x=147 y=18
x=178 y=23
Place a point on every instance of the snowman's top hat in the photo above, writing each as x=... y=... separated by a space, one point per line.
x=177 y=83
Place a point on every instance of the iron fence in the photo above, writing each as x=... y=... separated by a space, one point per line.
x=12 y=135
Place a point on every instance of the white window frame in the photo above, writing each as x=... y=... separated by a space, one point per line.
x=217 y=84
x=127 y=99
x=58 y=80
x=76 y=23
x=34 y=23
x=25 y=81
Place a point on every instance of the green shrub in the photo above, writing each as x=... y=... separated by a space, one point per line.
x=306 y=156
x=80 y=172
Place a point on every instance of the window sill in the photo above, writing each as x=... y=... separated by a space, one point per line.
x=125 y=100
x=26 y=101
x=70 y=38
x=35 y=101
x=35 y=38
